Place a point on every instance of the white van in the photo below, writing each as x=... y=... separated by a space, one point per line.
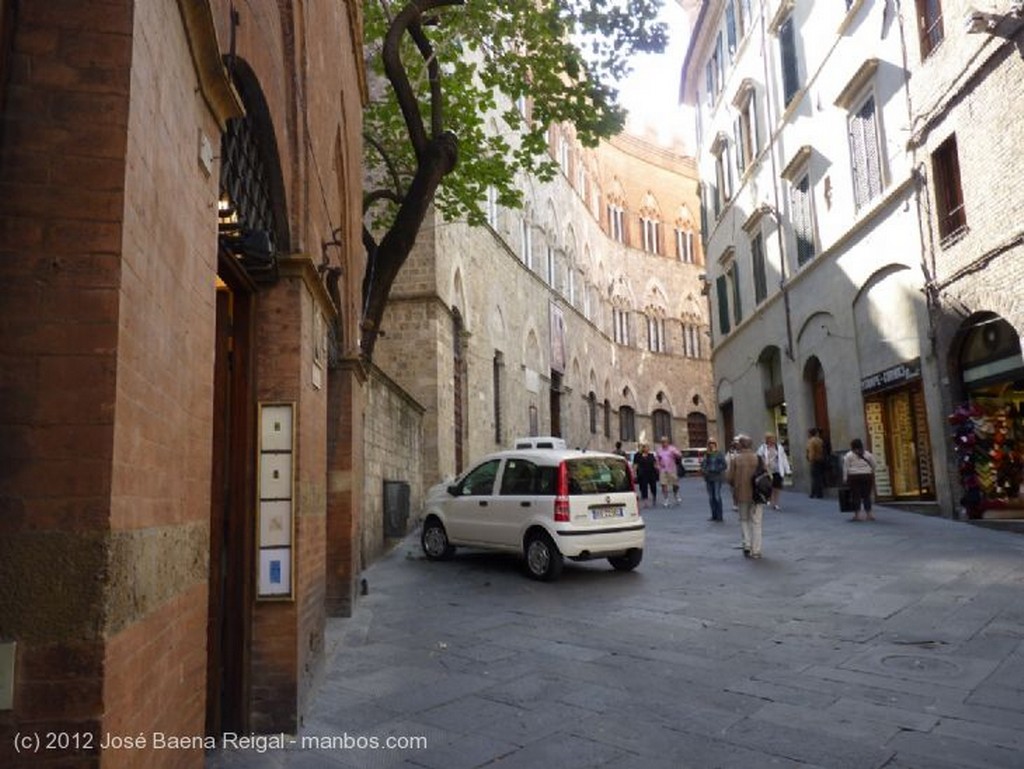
x=540 y=442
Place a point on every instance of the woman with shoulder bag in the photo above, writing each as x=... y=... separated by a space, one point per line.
x=859 y=475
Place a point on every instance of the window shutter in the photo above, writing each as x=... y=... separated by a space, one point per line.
x=754 y=130
x=737 y=307
x=730 y=27
x=872 y=152
x=741 y=160
x=722 y=291
x=802 y=225
x=790 y=70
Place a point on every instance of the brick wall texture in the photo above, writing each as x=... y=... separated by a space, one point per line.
x=109 y=263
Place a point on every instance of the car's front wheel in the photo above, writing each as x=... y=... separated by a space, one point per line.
x=434 y=540
x=627 y=562
x=543 y=558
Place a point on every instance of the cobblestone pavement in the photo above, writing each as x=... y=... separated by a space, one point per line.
x=897 y=643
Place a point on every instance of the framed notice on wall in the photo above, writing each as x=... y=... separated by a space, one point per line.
x=276 y=484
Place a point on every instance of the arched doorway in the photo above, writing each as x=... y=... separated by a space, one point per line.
x=986 y=427
x=814 y=376
x=696 y=430
x=251 y=222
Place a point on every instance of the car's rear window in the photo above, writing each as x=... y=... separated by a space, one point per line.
x=598 y=475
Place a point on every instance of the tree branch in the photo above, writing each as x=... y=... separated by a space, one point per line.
x=408 y=20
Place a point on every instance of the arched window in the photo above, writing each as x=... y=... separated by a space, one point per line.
x=662 y=425
x=627 y=423
x=592 y=411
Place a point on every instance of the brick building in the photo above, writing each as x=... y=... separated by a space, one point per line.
x=580 y=315
x=181 y=403
x=966 y=133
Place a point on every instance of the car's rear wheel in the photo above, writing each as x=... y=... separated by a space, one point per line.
x=434 y=540
x=627 y=562
x=543 y=559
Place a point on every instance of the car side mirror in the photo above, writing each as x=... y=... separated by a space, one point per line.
x=454 y=490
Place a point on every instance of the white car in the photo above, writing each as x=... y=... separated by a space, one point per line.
x=691 y=459
x=546 y=504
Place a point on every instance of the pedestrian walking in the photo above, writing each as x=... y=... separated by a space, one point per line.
x=668 y=473
x=618 y=449
x=740 y=476
x=713 y=466
x=816 y=461
x=645 y=467
x=774 y=456
x=859 y=475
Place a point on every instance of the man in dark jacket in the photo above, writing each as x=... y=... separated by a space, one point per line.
x=740 y=475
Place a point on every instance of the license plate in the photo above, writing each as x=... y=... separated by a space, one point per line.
x=601 y=513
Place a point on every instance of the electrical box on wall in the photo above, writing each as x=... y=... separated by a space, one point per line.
x=7 y=650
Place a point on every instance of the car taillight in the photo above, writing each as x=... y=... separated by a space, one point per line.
x=562 y=493
x=632 y=477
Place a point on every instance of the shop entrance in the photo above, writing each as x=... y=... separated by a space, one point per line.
x=988 y=429
x=897 y=425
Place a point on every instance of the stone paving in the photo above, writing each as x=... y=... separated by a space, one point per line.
x=897 y=643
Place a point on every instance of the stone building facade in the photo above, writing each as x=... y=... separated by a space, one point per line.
x=581 y=315
x=866 y=161
x=181 y=402
x=816 y=255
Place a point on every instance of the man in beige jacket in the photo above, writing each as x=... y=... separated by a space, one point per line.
x=740 y=475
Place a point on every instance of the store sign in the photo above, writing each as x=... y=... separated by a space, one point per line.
x=892 y=377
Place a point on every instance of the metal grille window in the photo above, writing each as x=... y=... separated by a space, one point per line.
x=803 y=219
x=865 y=154
x=949 y=196
x=592 y=412
x=930 y=27
x=607 y=419
x=246 y=212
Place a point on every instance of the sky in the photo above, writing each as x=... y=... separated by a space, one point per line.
x=651 y=93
